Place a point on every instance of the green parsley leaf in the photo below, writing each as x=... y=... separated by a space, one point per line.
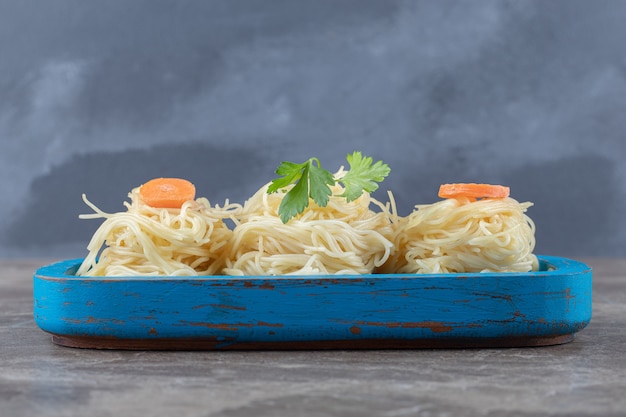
x=296 y=200
x=362 y=176
x=311 y=181
x=320 y=181
x=291 y=174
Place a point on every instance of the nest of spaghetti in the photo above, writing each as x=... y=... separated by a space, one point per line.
x=147 y=240
x=463 y=234
x=340 y=238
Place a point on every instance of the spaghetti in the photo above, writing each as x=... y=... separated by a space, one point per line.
x=340 y=238
x=145 y=240
x=465 y=235
x=461 y=233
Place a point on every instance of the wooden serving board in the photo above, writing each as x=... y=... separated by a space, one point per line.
x=541 y=308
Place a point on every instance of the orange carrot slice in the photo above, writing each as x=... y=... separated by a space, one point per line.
x=472 y=190
x=167 y=192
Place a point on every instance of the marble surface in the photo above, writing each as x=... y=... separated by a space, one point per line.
x=586 y=377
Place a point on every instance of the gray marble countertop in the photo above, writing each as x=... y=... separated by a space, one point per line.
x=586 y=377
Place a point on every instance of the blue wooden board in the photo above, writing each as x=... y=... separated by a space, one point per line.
x=315 y=312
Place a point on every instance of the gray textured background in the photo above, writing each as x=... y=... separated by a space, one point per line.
x=99 y=96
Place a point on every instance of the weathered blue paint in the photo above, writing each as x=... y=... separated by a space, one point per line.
x=402 y=310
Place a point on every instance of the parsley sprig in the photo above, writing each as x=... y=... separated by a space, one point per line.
x=311 y=181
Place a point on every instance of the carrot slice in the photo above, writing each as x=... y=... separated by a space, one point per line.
x=167 y=192
x=472 y=190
